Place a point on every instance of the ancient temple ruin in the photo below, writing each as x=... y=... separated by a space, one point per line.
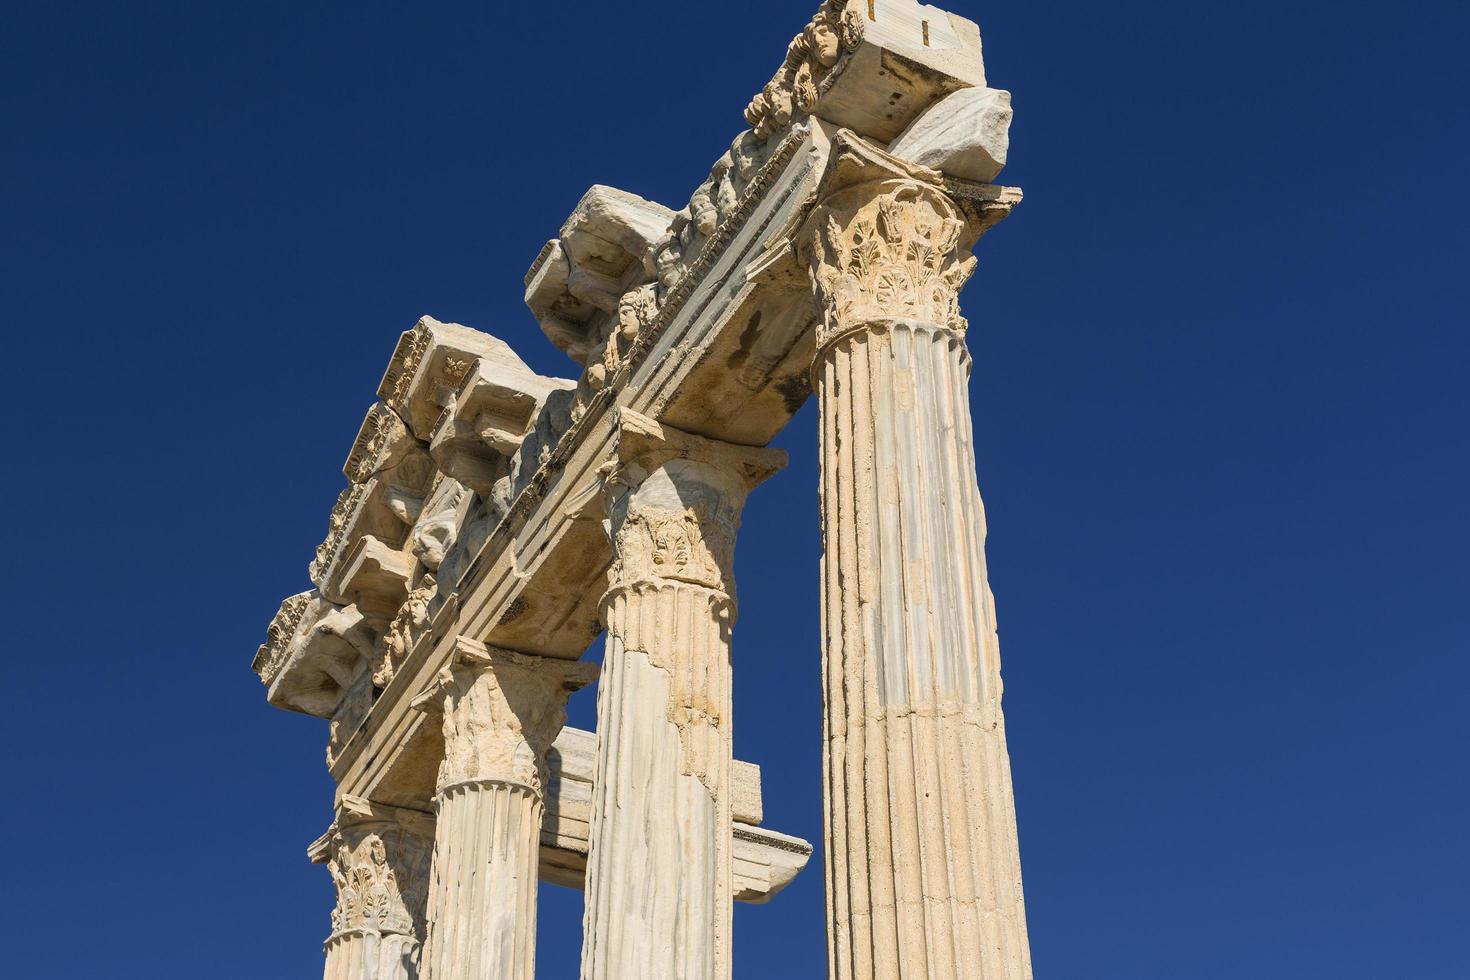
x=495 y=522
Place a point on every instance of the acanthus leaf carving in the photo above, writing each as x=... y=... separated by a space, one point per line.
x=380 y=878
x=677 y=546
x=886 y=251
x=501 y=711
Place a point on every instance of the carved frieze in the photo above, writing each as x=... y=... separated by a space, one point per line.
x=280 y=633
x=836 y=29
x=382 y=433
x=404 y=631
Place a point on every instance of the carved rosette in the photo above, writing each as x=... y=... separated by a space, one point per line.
x=887 y=250
x=501 y=712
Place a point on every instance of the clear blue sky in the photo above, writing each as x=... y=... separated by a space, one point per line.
x=1219 y=391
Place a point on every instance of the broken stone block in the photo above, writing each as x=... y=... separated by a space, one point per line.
x=965 y=134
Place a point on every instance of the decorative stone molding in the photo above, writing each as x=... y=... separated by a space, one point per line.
x=314 y=653
x=384 y=507
x=429 y=366
x=382 y=437
x=795 y=90
x=374 y=575
x=478 y=436
x=817 y=255
x=501 y=711
x=580 y=276
x=280 y=633
x=871 y=66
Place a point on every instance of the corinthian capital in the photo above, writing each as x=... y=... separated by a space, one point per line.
x=674 y=501
x=378 y=857
x=890 y=240
x=501 y=712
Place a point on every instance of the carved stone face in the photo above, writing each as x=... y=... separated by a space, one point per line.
x=746 y=151
x=706 y=218
x=667 y=264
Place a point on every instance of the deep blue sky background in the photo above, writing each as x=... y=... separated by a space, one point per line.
x=1220 y=380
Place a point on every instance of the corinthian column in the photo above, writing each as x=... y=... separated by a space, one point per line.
x=501 y=712
x=379 y=860
x=659 y=875
x=923 y=869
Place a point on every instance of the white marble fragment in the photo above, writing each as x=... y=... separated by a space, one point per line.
x=965 y=134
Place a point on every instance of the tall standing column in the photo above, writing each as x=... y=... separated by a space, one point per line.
x=923 y=867
x=659 y=894
x=501 y=712
x=379 y=860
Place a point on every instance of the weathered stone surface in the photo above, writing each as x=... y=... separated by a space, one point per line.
x=925 y=873
x=479 y=434
x=965 y=134
x=602 y=250
x=496 y=521
x=611 y=230
x=664 y=774
x=765 y=861
x=429 y=365
x=870 y=66
x=500 y=712
x=379 y=861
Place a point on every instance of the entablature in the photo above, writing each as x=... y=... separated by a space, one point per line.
x=702 y=318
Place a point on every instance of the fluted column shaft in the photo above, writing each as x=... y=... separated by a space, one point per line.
x=501 y=712
x=923 y=866
x=379 y=860
x=482 y=903
x=659 y=893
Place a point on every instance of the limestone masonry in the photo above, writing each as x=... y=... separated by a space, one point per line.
x=495 y=522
